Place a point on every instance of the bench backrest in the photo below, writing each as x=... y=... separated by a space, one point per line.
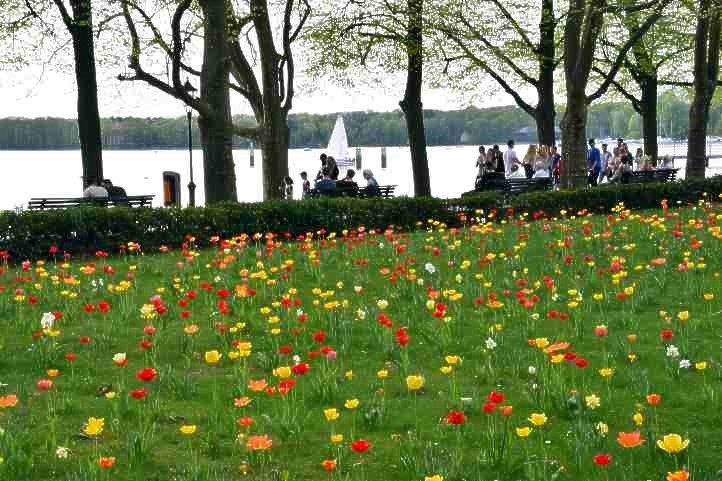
x=518 y=186
x=40 y=203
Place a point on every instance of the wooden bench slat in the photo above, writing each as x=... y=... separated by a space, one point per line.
x=41 y=203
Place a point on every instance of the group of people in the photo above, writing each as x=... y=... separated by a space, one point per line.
x=328 y=183
x=538 y=162
x=616 y=166
x=545 y=161
x=104 y=190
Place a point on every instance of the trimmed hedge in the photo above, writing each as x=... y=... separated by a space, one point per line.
x=28 y=235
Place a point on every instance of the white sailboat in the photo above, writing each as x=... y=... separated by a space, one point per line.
x=338 y=144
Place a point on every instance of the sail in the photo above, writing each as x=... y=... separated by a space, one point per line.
x=338 y=143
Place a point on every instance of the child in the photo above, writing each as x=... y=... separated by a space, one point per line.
x=306 y=183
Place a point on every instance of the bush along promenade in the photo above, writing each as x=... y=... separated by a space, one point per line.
x=565 y=345
x=86 y=230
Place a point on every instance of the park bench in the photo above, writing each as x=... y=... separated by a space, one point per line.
x=644 y=176
x=510 y=187
x=43 y=203
x=520 y=186
x=384 y=191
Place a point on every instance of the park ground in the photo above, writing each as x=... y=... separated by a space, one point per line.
x=529 y=348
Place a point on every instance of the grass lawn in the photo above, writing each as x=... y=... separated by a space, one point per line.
x=438 y=348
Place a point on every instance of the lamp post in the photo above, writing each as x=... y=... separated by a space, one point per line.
x=189 y=114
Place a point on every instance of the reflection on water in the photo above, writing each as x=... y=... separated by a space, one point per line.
x=29 y=174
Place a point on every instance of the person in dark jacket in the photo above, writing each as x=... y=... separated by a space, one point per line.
x=115 y=192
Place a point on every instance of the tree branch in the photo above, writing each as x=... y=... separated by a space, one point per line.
x=67 y=19
x=633 y=39
x=515 y=25
x=498 y=53
x=491 y=72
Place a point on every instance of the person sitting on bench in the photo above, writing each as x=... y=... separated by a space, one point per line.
x=516 y=172
x=347 y=183
x=95 y=191
x=115 y=192
x=540 y=171
x=325 y=185
x=372 y=186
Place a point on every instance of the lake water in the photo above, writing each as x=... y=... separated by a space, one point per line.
x=27 y=174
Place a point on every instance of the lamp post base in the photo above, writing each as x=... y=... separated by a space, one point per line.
x=191 y=195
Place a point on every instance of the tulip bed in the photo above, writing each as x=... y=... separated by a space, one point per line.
x=577 y=347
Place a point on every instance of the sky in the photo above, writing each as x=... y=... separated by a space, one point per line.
x=34 y=93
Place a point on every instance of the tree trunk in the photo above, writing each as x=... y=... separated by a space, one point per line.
x=648 y=111
x=545 y=113
x=274 y=126
x=216 y=134
x=411 y=104
x=574 y=151
x=91 y=148
x=706 y=70
x=697 y=138
x=274 y=148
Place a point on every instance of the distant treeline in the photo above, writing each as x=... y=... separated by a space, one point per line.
x=471 y=126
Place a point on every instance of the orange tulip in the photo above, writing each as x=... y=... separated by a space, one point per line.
x=106 y=463
x=9 y=401
x=630 y=440
x=259 y=443
x=257 y=385
x=678 y=476
x=654 y=399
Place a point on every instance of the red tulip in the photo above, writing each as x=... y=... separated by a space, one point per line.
x=360 y=446
x=455 y=417
x=138 y=393
x=44 y=384
x=602 y=459
x=301 y=368
x=489 y=407
x=495 y=397
x=146 y=374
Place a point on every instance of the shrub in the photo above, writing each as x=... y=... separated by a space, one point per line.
x=27 y=235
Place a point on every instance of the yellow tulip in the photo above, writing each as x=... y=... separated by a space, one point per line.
x=683 y=316
x=212 y=357
x=700 y=366
x=638 y=419
x=673 y=443
x=351 y=404
x=538 y=419
x=414 y=383
x=382 y=374
x=452 y=360
x=331 y=414
x=188 y=429
x=523 y=432
x=436 y=477
x=283 y=372
x=337 y=438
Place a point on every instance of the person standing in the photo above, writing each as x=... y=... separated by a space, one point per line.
x=498 y=159
x=510 y=158
x=306 y=186
x=332 y=168
x=480 y=162
x=555 y=162
x=606 y=157
x=323 y=159
x=594 y=161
